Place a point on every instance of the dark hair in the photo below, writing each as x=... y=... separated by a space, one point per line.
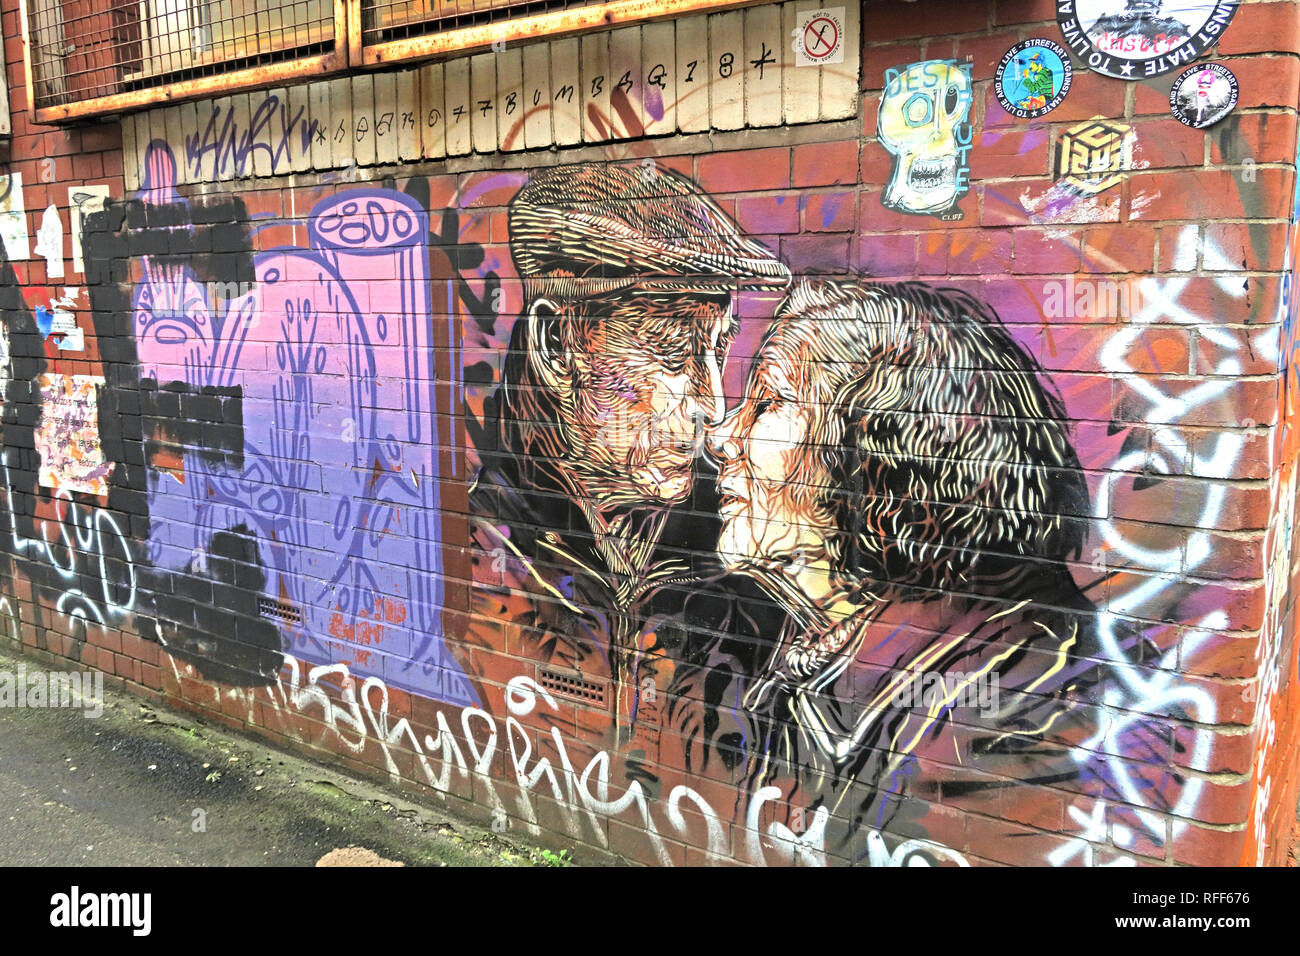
x=950 y=462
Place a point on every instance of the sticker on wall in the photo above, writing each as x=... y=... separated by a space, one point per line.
x=82 y=201
x=924 y=122
x=13 y=218
x=1204 y=95
x=61 y=323
x=68 y=436
x=1131 y=38
x=819 y=37
x=1094 y=156
x=1033 y=78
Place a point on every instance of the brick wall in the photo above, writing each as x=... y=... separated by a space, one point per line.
x=725 y=494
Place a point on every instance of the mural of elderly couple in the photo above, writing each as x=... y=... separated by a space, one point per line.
x=786 y=568
x=852 y=583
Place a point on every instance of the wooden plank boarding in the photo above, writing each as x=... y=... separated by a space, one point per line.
x=190 y=128
x=510 y=99
x=157 y=124
x=726 y=70
x=264 y=110
x=626 y=109
x=801 y=93
x=566 y=94
x=537 y=95
x=408 y=116
x=219 y=165
x=459 y=108
x=482 y=88
x=692 y=74
x=130 y=156
x=385 y=119
x=363 y=119
x=433 y=113
x=762 y=66
x=593 y=58
x=659 y=72
x=301 y=133
x=341 y=134
x=241 y=165
x=318 y=94
x=171 y=116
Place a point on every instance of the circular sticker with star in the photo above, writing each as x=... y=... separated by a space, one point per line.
x=1203 y=95
x=1033 y=78
x=1130 y=39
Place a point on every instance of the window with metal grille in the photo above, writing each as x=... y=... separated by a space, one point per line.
x=394 y=19
x=92 y=56
x=390 y=30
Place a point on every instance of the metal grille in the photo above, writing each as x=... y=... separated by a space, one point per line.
x=574 y=686
x=385 y=20
x=86 y=49
x=279 y=609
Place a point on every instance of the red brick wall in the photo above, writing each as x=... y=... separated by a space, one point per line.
x=1145 y=649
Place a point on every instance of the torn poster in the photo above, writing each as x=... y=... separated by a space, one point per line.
x=13 y=218
x=67 y=439
x=82 y=201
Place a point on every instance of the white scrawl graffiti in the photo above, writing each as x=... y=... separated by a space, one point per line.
x=86 y=549
x=357 y=713
x=1159 y=690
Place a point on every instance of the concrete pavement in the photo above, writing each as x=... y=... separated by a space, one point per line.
x=143 y=786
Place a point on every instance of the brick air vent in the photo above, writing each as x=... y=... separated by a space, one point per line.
x=574 y=686
x=281 y=610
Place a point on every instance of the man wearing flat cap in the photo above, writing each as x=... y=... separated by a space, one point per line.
x=586 y=510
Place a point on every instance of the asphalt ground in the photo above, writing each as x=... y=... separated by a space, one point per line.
x=141 y=785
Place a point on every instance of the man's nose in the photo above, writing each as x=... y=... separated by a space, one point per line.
x=713 y=404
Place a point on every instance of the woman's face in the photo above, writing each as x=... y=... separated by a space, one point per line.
x=770 y=478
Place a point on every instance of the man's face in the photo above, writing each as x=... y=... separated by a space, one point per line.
x=770 y=478
x=647 y=376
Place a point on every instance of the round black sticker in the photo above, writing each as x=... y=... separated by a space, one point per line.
x=1129 y=39
x=1203 y=95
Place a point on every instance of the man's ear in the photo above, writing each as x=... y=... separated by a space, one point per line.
x=546 y=349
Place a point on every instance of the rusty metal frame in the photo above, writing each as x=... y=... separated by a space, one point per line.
x=271 y=74
x=349 y=50
x=556 y=23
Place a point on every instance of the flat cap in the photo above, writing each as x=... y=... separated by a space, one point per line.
x=596 y=228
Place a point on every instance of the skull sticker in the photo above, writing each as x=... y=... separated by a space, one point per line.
x=924 y=122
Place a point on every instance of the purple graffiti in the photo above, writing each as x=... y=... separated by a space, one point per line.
x=332 y=353
x=229 y=149
x=158 y=184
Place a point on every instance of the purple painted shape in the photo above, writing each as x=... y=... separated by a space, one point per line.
x=158 y=183
x=334 y=354
x=653 y=100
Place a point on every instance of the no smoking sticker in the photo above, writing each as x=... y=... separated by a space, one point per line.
x=819 y=37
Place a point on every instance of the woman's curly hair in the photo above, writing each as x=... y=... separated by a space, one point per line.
x=950 y=462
